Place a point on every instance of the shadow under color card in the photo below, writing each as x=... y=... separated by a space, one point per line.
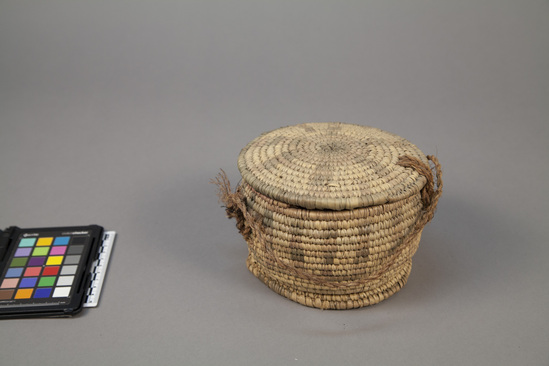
x=49 y=271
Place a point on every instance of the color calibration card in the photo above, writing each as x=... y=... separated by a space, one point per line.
x=48 y=272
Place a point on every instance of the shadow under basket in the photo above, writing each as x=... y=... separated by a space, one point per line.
x=332 y=212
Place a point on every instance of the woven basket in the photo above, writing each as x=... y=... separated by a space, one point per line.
x=332 y=212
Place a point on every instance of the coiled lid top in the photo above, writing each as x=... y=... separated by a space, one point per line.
x=335 y=166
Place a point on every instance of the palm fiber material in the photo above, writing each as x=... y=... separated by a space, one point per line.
x=333 y=257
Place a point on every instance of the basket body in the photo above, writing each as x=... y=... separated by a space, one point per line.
x=330 y=217
x=336 y=247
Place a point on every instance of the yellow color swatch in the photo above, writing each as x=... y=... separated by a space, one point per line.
x=25 y=293
x=44 y=242
x=54 y=260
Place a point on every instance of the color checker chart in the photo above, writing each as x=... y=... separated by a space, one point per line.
x=47 y=271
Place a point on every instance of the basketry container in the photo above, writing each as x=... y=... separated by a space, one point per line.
x=332 y=212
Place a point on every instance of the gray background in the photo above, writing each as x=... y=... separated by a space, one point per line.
x=119 y=113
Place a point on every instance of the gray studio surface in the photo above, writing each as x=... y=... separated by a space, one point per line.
x=119 y=114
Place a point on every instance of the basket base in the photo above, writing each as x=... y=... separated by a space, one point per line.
x=332 y=302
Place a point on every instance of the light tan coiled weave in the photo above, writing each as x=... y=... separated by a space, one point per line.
x=332 y=212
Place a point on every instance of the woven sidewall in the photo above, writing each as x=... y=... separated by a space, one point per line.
x=335 y=301
x=337 y=248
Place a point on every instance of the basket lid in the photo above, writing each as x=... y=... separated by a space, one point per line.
x=335 y=166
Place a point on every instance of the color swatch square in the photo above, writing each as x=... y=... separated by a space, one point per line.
x=79 y=240
x=6 y=294
x=28 y=282
x=42 y=293
x=51 y=271
x=54 y=260
x=14 y=272
x=39 y=251
x=65 y=280
x=19 y=262
x=68 y=270
x=61 y=292
x=32 y=271
x=44 y=242
x=37 y=261
x=58 y=250
x=72 y=259
x=23 y=293
x=46 y=281
x=9 y=283
x=27 y=242
x=22 y=252
x=61 y=240
x=75 y=249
